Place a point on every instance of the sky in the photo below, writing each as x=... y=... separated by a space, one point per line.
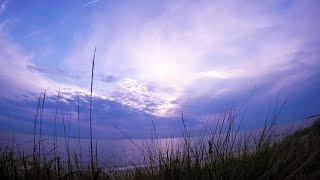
x=156 y=60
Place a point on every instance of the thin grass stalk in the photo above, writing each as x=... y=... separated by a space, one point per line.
x=91 y=148
x=65 y=138
x=80 y=155
x=41 y=119
x=13 y=135
x=35 y=129
x=69 y=126
x=96 y=153
x=69 y=158
x=55 y=126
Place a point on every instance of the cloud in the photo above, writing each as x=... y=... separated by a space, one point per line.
x=3 y=6
x=21 y=77
x=204 y=41
x=32 y=34
x=108 y=78
x=13 y=64
x=139 y=96
x=91 y=2
x=158 y=57
x=108 y=117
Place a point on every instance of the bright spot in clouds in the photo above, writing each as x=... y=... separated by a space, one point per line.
x=158 y=57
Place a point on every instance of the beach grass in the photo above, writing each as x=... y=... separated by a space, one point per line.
x=221 y=152
x=235 y=155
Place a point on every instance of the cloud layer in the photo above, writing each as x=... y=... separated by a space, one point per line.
x=158 y=58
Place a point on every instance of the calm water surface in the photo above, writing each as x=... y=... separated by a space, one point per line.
x=111 y=153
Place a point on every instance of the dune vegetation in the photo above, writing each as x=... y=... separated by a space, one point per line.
x=222 y=151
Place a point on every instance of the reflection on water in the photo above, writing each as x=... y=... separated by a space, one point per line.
x=111 y=153
x=117 y=153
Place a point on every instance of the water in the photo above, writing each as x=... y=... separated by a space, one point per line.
x=113 y=153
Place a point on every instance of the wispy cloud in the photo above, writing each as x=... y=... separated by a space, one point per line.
x=139 y=96
x=201 y=46
x=87 y=4
x=154 y=57
x=20 y=76
x=32 y=34
x=3 y=6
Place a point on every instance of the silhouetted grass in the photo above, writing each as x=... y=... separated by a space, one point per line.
x=221 y=151
x=233 y=155
x=91 y=148
x=266 y=156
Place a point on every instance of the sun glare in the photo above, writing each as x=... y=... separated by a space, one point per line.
x=159 y=65
x=160 y=71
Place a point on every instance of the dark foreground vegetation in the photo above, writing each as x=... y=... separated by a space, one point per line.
x=230 y=154
x=266 y=156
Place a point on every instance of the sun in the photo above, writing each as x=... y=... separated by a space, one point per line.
x=160 y=71
x=160 y=66
x=158 y=63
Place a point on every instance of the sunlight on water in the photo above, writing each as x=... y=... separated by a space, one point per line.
x=121 y=153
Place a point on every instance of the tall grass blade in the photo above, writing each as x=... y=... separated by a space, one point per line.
x=91 y=147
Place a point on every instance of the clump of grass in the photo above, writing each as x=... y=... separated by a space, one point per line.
x=41 y=164
x=221 y=151
x=224 y=152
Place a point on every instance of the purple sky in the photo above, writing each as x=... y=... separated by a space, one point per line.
x=156 y=58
